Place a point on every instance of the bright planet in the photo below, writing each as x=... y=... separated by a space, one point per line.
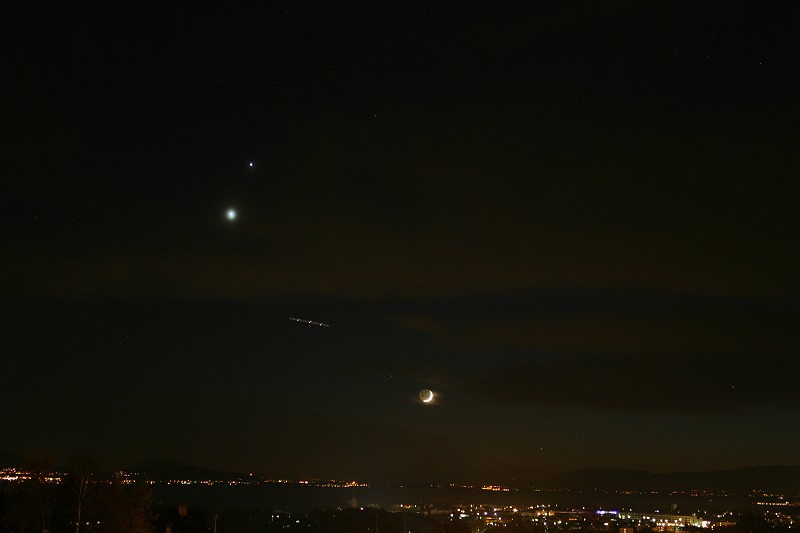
x=426 y=395
x=231 y=214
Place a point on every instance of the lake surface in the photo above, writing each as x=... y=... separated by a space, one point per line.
x=296 y=497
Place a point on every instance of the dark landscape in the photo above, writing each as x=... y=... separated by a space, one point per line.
x=190 y=498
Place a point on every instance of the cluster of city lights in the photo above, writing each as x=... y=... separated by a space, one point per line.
x=17 y=476
x=495 y=488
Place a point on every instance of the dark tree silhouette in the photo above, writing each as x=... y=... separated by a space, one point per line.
x=80 y=481
x=32 y=503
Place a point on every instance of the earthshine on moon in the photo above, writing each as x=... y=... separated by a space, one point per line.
x=426 y=395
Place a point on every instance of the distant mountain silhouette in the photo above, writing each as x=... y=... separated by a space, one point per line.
x=9 y=459
x=783 y=479
x=166 y=472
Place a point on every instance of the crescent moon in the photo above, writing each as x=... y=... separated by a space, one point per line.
x=426 y=395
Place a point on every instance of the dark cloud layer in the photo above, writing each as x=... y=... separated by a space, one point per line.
x=236 y=384
x=626 y=350
x=670 y=384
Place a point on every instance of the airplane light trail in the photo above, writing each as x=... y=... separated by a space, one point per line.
x=309 y=322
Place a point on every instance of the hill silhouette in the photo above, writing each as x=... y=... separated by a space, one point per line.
x=9 y=459
x=167 y=472
x=781 y=479
x=784 y=479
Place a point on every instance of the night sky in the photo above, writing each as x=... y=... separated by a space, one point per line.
x=575 y=222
